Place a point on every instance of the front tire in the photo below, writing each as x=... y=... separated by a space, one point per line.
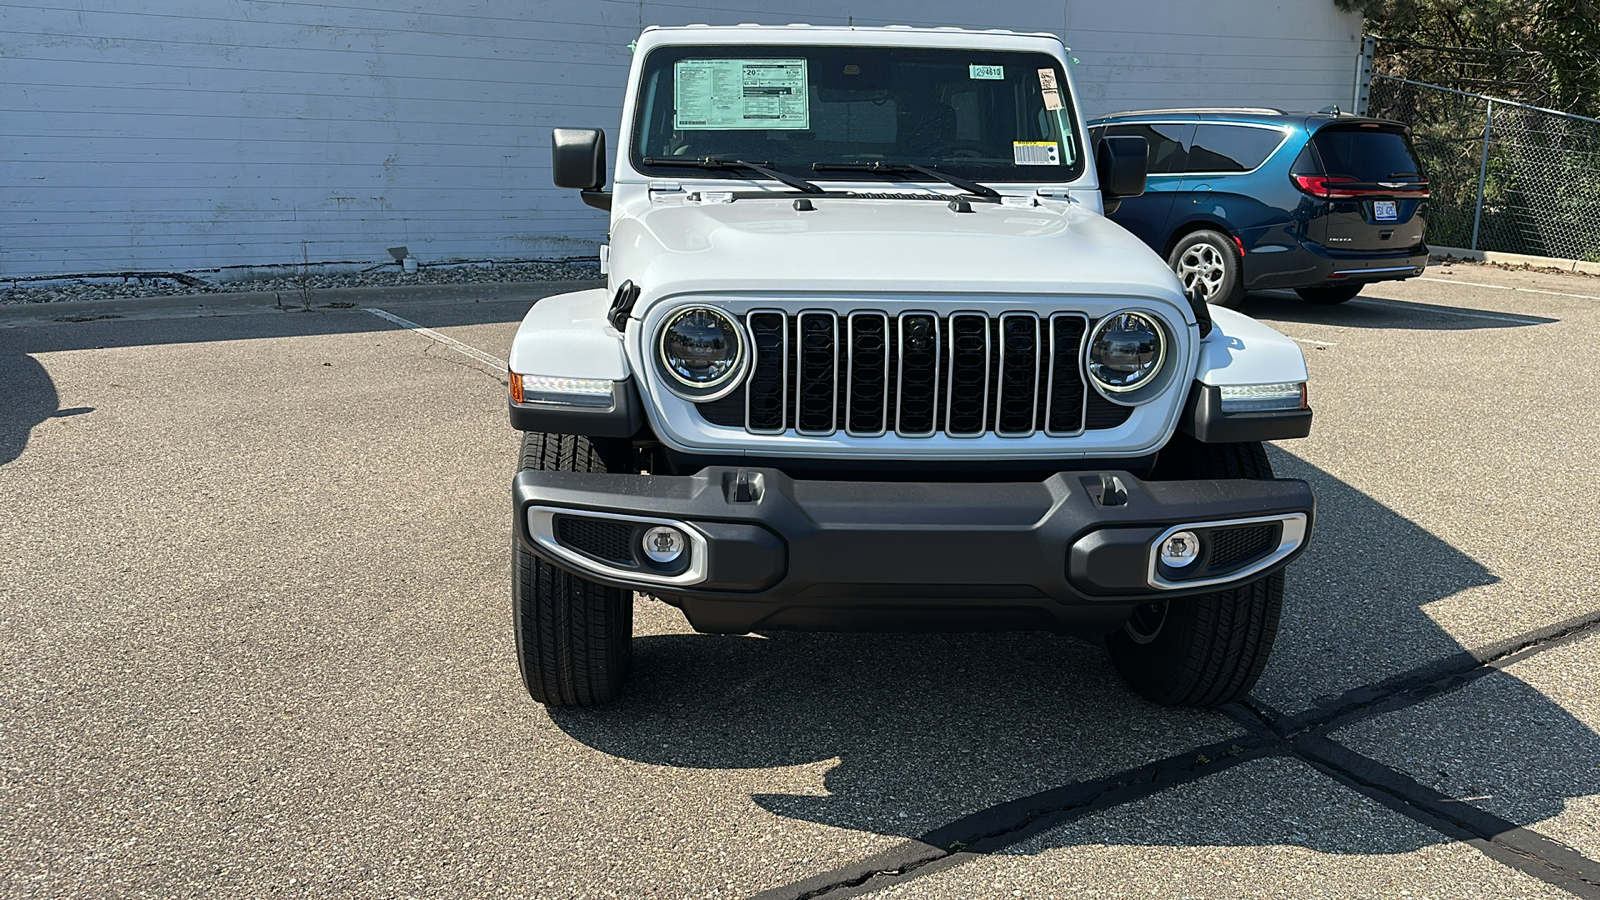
x=1209 y=265
x=1207 y=650
x=574 y=637
x=1328 y=295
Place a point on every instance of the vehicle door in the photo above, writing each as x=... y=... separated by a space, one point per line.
x=1168 y=144
x=1219 y=182
x=1375 y=189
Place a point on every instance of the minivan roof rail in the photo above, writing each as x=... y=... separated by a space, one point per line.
x=1249 y=110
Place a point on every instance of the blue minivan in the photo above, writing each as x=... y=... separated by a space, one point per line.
x=1255 y=199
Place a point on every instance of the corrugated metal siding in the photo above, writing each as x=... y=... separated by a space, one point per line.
x=191 y=135
x=1150 y=54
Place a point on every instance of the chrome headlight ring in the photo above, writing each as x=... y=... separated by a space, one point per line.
x=710 y=356
x=1145 y=347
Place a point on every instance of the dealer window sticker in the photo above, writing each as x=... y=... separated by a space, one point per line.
x=1036 y=153
x=1052 y=93
x=745 y=94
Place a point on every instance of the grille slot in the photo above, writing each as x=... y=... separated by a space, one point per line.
x=817 y=382
x=967 y=394
x=867 y=393
x=1064 y=401
x=1016 y=397
x=1234 y=547
x=919 y=375
x=604 y=540
x=768 y=389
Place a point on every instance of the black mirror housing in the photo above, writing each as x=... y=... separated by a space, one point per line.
x=1121 y=164
x=578 y=158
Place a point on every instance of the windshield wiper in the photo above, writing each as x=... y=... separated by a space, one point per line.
x=971 y=187
x=718 y=162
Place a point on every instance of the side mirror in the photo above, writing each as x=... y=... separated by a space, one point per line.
x=1121 y=164
x=578 y=160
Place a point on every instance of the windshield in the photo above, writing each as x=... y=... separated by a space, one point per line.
x=981 y=114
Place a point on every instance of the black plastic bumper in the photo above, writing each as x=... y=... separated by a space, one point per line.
x=1319 y=267
x=1070 y=552
x=1205 y=421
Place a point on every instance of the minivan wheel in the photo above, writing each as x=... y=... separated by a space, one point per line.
x=1207 y=262
x=1329 y=294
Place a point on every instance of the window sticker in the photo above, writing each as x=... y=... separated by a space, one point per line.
x=1036 y=153
x=1047 y=84
x=986 y=73
x=740 y=94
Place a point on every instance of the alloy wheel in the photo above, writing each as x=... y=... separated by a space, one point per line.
x=1201 y=268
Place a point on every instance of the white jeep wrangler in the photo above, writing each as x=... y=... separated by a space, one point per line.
x=870 y=357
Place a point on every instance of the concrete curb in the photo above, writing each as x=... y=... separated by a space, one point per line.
x=258 y=302
x=1449 y=254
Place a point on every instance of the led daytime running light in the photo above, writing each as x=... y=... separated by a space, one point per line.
x=1276 y=397
x=595 y=393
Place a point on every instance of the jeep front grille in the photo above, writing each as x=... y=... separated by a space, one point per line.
x=916 y=374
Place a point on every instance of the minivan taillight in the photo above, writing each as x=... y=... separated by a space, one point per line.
x=1339 y=187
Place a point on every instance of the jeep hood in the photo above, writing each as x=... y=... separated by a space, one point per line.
x=851 y=245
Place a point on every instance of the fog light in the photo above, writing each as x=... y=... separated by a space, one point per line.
x=664 y=545
x=1180 y=549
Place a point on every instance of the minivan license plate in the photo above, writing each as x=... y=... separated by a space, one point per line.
x=1384 y=211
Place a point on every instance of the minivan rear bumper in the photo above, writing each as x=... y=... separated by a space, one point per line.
x=1324 y=267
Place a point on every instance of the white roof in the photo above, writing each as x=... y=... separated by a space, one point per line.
x=799 y=33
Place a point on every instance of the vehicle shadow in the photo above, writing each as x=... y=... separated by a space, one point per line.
x=1386 y=313
x=928 y=729
x=27 y=397
x=28 y=394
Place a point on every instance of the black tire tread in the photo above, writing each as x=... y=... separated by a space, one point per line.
x=1212 y=648
x=574 y=636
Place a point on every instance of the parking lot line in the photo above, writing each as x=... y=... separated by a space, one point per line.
x=1508 y=287
x=490 y=360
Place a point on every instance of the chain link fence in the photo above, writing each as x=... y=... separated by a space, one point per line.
x=1504 y=175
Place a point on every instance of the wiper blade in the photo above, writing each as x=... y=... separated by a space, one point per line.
x=971 y=187
x=718 y=162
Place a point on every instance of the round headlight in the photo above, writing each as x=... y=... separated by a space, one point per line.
x=702 y=349
x=1126 y=351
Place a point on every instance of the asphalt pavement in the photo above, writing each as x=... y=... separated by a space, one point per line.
x=255 y=640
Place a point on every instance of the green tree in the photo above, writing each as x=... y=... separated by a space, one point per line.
x=1545 y=52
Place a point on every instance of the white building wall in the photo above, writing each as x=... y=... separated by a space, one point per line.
x=188 y=135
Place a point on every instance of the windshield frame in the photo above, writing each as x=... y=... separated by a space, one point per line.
x=651 y=66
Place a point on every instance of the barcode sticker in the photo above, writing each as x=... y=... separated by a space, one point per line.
x=1047 y=86
x=1036 y=153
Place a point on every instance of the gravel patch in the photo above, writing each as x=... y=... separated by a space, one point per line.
x=166 y=285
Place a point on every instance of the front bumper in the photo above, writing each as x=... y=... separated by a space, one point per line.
x=1074 y=551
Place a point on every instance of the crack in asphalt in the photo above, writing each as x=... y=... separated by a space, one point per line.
x=1271 y=734
x=469 y=365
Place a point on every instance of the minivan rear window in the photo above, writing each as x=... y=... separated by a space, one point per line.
x=1367 y=155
